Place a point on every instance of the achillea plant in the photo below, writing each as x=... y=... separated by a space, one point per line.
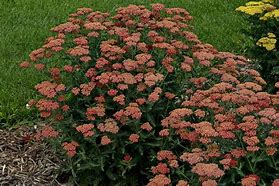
x=263 y=16
x=137 y=99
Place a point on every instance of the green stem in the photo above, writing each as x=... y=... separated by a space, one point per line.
x=178 y=144
x=250 y=165
x=273 y=161
x=183 y=175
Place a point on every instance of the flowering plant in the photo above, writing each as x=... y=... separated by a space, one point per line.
x=136 y=98
x=264 y=17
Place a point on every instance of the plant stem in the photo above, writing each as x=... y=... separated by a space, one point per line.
x=273 y=161
x=250 y=165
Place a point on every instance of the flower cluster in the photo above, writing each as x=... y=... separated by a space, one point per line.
x=138 y=95
x=267 y=42
x=257 y=7
x=70 y=148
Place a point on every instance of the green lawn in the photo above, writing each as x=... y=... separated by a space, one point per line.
x=26 y=23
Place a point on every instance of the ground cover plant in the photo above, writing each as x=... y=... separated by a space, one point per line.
x=25 y=24
x=263 y=17
x=135 y=98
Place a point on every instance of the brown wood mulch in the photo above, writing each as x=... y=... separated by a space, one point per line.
x=26 y=162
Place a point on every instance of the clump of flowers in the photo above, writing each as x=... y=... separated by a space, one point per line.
x=257 y=7
x=267 y=42
x=264 y=16
x=138 y=95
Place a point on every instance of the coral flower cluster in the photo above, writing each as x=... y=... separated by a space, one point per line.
x=140 y=85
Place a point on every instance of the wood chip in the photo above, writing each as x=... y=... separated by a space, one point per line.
x=26 y=163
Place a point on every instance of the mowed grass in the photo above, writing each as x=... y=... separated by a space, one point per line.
x=26 y=23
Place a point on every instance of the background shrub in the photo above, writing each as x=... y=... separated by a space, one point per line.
x=136 y=98
x=263 y=16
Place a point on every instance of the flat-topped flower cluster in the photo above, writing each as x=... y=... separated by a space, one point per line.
x=137 y=99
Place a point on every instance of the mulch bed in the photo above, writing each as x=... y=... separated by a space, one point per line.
x=25 y=162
